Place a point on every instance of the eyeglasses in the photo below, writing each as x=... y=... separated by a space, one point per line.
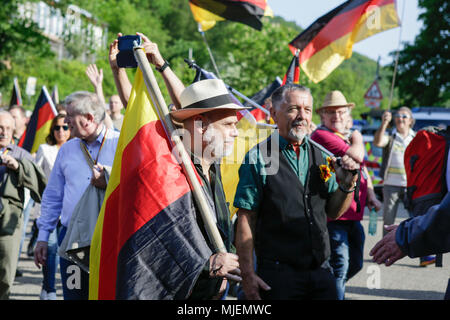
x=337 y=112
x=402 y=116
x=57 y=128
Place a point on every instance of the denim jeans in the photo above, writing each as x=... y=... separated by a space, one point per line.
x=347 y=249
x=75 y=281
x=51 y=265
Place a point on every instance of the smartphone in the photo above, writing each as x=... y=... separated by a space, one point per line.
x=125 y=57
x=127 y=42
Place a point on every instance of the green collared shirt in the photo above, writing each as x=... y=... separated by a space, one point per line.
x=252 y=173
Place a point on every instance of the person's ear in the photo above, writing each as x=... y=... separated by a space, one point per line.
x=89 y=117
x=200 y=123
x=273 y=113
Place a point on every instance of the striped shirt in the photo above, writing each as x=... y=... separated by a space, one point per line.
x=395 y=171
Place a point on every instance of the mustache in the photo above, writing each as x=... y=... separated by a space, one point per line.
x=299 y=123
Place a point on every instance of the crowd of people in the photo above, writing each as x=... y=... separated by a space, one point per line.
x=298 y=232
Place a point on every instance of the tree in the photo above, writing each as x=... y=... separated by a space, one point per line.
x=18 y=35
x=424 y=66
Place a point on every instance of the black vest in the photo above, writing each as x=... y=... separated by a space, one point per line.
x=292 y=223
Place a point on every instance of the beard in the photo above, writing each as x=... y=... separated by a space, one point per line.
x=298 y=134
x=217 y=146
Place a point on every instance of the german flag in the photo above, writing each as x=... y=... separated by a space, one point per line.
x=146 y=244
x=260 y=98
x=40 y=122
x=293 y=73
x=16 y=98
x=249 y=12
x=250 y=134
x=329 y=40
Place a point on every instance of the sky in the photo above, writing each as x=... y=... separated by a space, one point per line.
x=305 y=12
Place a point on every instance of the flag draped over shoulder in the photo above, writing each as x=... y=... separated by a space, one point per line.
x=249 y=12
x=329 y=40
x=146 y=244
x=16 y=98
x=40 y=122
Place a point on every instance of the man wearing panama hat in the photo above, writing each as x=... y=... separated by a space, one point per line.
x=346 y=233
x=282 y=215
x=208 y=117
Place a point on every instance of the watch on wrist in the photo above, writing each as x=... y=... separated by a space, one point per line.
x=164 y=66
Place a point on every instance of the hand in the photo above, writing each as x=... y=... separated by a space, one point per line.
x=40 y=253
x=386 y=250
x=10 y=162
x=152 y=51
x=344 y=171
x=224 y=265
x=373 y=202
x=386 y=118
x=98 y=177
x=113 y=51
x=94 y=75
x=251 y=284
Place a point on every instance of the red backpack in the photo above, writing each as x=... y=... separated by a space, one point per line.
x=426 y=166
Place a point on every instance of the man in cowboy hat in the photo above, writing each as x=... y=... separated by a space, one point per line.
x=346 y=233
x=283 y=213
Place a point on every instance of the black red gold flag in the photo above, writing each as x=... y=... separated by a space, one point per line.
x=329 y=40
x=249 y=12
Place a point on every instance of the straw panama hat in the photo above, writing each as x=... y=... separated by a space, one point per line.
x=335 y=99
x=203 y=96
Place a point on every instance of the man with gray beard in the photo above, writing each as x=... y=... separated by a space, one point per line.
x=283 y=212
x=208 y=117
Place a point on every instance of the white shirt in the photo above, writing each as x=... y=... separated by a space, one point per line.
x=45 y=157
x=395 y=171
x=70 y=177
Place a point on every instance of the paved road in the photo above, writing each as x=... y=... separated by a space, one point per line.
x=405 y=280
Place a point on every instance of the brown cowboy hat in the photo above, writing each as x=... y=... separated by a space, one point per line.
x=335 y=99
x=203 y=96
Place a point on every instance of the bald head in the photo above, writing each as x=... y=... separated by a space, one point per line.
x=7 y=124
x=115 y=104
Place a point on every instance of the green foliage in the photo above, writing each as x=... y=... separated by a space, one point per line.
x=247 y=59
x=424 y=66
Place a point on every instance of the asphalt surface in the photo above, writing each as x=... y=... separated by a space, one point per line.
x=404 y=280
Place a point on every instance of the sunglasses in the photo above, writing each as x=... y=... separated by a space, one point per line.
x=57 y=128
x=402 y=116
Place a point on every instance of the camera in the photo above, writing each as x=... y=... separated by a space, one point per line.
x=125 y=57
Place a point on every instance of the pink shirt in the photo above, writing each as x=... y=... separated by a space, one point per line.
x=339 y=147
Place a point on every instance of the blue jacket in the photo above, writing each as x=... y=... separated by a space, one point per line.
x=428 y=233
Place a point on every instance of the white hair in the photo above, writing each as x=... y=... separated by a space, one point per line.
x=8 y=114
x=84 y=102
